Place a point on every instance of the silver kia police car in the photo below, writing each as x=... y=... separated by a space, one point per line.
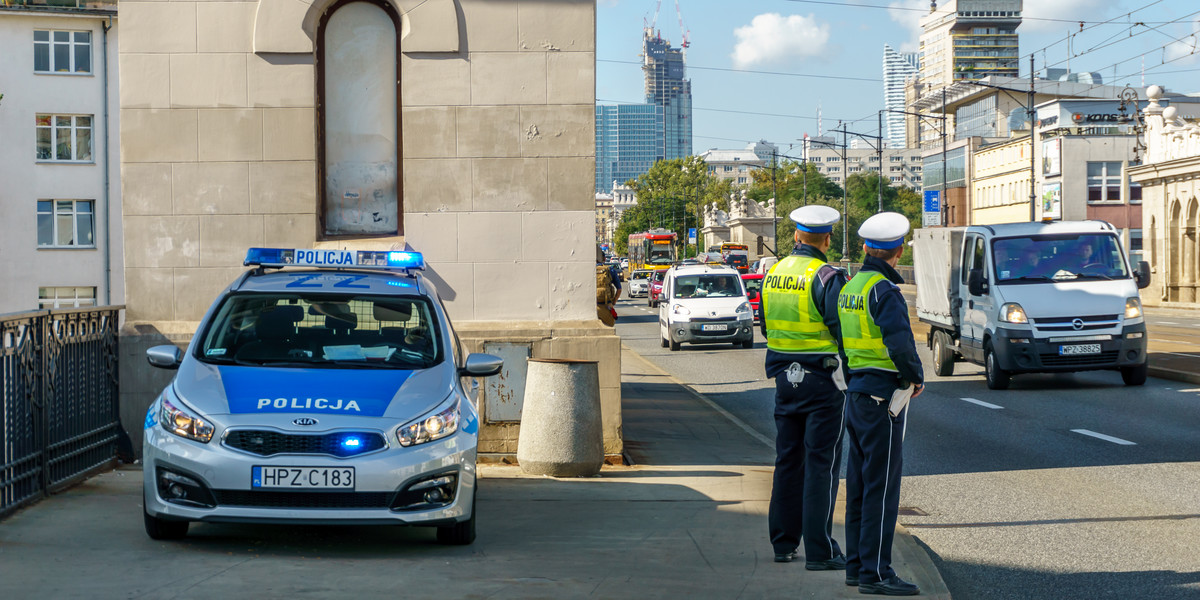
x=323 y=386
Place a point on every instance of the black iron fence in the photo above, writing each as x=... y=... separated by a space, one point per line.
x=59 y=417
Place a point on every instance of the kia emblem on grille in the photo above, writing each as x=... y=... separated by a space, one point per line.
x=305 y=421
x=1077 y=324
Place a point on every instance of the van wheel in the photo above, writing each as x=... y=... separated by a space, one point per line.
x=943 y=356
x=662 y=340
x=1135 y=375
x=748 y=344
x=674 y=346
x=997 y=378
x=459 y=534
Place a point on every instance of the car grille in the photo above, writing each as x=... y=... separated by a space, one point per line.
x=1090 y=323
x=1054 y=360
x=303 y=499
x=270 y=443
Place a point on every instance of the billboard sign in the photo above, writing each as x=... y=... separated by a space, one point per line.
x=1052 y=201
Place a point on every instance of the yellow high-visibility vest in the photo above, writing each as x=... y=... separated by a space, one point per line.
x=861 y=337
x=793 y=323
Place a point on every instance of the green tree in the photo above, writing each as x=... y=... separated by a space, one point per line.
x=796 y=184
x=671 y=196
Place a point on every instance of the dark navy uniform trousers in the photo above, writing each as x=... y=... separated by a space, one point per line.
x=873 y=465
x=809 y=420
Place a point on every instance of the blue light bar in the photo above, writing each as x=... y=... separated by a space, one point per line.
x=360 y=259
x=351 y=442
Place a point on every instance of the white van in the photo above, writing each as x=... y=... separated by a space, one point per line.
x=703 y=304
x=1031 y=297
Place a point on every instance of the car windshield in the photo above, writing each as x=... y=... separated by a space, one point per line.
x=752 y=285
x=661 y=255
x=658 y=276
x=322 y=331
x=1058 y=258
x=641 y=275
x=710 y=286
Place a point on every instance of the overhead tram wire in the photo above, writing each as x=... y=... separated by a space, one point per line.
x=736 y=112
x=924 y=10
x=753 y=72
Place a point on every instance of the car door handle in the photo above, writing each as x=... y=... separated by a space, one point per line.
x=970 y=304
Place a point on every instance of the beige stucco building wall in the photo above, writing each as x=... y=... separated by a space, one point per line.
x=1000 y=183
x=219 y=152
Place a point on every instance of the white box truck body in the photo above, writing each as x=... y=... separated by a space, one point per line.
x=1030 y=298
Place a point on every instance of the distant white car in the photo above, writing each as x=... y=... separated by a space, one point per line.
x=703 y=304
x=639 y=283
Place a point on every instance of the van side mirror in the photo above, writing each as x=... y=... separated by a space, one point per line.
x=976 y=284
x=1142 y=276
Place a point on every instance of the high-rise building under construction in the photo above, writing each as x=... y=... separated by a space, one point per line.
x=667 y=86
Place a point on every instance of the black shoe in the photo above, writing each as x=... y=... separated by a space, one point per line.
x=836 y=563
x=785 y=557
x=852 y=580
x=892 y=587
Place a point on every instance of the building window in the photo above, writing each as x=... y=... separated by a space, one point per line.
x=1135 y=192
x=65 y=223
x=358 y=120
x=1104 y=181
x=833 y=159
x=834 y=169
x=741 y=180
x=873 y=159
x=815 y=159
x=66 y=297
x=894 y=159
x=728 y=168
x=64 y=138
x=1135 y=247
x=62 y=51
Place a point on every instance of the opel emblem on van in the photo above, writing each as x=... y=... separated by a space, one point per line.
x=305 y=421
x=1077 y=324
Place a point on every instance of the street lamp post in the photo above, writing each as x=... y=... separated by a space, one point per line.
x=941 y=129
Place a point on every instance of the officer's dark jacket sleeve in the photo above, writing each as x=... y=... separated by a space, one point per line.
x=890 y=313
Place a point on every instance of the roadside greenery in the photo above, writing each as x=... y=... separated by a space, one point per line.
x=670 y=195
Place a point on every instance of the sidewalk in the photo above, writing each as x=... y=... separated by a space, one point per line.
x=688 y=520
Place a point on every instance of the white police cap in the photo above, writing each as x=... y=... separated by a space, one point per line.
x=884 y=231
x=815 y=218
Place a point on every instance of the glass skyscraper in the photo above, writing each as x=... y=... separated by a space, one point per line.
x=629 y=140
x=898 y=67
x=666 y=87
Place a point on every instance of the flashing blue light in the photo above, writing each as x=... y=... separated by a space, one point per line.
x=406 y=260
x=352 y=442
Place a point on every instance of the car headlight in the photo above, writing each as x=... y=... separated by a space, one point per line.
x=680 y=309
x=1013 y=313
x=1133 y=308
x=183 y=422
x=743 y=307
x=430 y=427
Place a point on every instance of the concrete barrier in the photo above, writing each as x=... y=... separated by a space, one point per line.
x=561 y=433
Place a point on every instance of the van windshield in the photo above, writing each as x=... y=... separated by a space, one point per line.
x=1058 y=258
x=710 y=286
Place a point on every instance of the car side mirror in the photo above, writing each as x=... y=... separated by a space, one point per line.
x=481 y=365
x=167 y=356
x=976 y=284
x=1142 y=276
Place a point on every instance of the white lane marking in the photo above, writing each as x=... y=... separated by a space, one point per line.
x=982 y=403
x=1101 y=436
x=1183 y=354
x=1165 y=323
x=1189 y=390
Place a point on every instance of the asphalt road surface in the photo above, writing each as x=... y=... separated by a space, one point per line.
x=1064 y=486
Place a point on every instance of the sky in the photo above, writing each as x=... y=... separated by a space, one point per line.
x=761 y=69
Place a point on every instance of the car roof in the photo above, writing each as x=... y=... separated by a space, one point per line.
x=752 y=275
x=332 y=281
x=1048 y=228
x=703 y=270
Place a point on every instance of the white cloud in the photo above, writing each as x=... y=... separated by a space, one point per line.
x=772 y=38
x=910 y=19
x=1176 y=51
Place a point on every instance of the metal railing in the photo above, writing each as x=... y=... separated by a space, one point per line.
x=52 y=5
x=59 y=419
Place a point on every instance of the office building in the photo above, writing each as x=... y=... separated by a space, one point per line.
x=629 y=140
x=668 y=87
x=736 y=165
x=898 y=69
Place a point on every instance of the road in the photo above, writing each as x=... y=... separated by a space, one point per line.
x=1064 y=486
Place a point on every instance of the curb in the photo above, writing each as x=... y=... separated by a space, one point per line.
x=1174 y=375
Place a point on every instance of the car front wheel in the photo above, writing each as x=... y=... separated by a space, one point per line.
x=162 y=529
x=997 y=378
x=459 y=534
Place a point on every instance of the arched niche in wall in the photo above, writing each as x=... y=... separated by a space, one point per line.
x=290 y=26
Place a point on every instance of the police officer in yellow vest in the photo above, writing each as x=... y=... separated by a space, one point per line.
x=800 y=322
x=881 y=358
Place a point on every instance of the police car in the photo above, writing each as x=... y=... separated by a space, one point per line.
x=323 y=386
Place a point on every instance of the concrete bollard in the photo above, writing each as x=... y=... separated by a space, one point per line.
x=561 y=433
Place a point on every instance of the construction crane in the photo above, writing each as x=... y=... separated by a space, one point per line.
x=679 y=13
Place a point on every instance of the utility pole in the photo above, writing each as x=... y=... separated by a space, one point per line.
x=879 y=154
x=774 y=195
x=845 y=207
x=1032 y=150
